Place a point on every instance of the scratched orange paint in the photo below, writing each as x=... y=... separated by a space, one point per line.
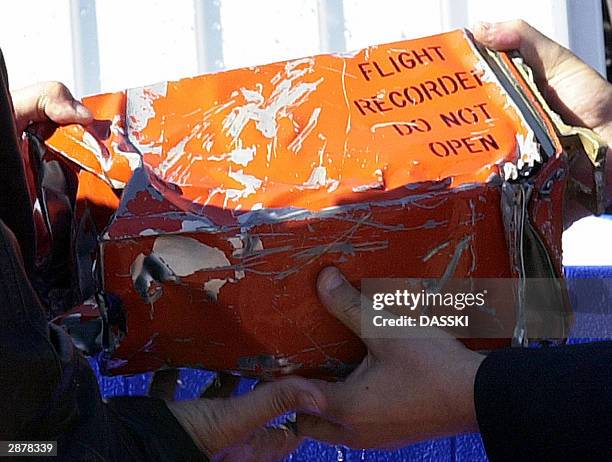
x=368 y=161
x=356 y=147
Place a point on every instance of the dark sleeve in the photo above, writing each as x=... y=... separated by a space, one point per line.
x=151 y=425
x=546 y=404
x=15 y=205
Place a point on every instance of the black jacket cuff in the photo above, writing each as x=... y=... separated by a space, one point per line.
x=546 y=404
x=155 y=429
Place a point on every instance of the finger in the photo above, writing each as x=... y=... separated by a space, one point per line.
x=240 y=416
x=310 y=426
x=266 y=445
x=498 y=36
x=340 y=298
x=68 y=112
x=541 y=53
x=58 y=104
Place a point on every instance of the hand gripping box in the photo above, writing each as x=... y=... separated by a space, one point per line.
x=201 y=210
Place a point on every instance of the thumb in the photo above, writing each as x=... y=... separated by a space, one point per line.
x=541 y=53
x=48 y=101
x=340 y=298
x=67 y=110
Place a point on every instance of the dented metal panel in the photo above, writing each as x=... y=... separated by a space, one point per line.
x=217 y=199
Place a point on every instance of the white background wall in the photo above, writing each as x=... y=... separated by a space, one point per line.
x=105 y=45
x=143 y=41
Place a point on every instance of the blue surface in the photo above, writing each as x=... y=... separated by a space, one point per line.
x=457 y=449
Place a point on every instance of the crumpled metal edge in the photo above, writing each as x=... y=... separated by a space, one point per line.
x=582 y=141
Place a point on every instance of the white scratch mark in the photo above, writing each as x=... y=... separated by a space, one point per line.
x=318 y=178
x=284 y=95
x=348 y=107
x=140 y=105
x=239 y=155
x=435 y=250
x=375 y=127
x=297 y=142
x=369 y=186
x=251 y=185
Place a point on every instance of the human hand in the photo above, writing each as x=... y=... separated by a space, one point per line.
x=233 y=429
x=47 y=101
x=572 y=88
x=404 y=391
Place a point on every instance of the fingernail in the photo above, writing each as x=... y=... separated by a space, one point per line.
x=483 y=26
x=332 y=278
x=483 y=30
x=83 y=112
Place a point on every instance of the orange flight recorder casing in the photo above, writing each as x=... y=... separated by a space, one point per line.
x=202 y=210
